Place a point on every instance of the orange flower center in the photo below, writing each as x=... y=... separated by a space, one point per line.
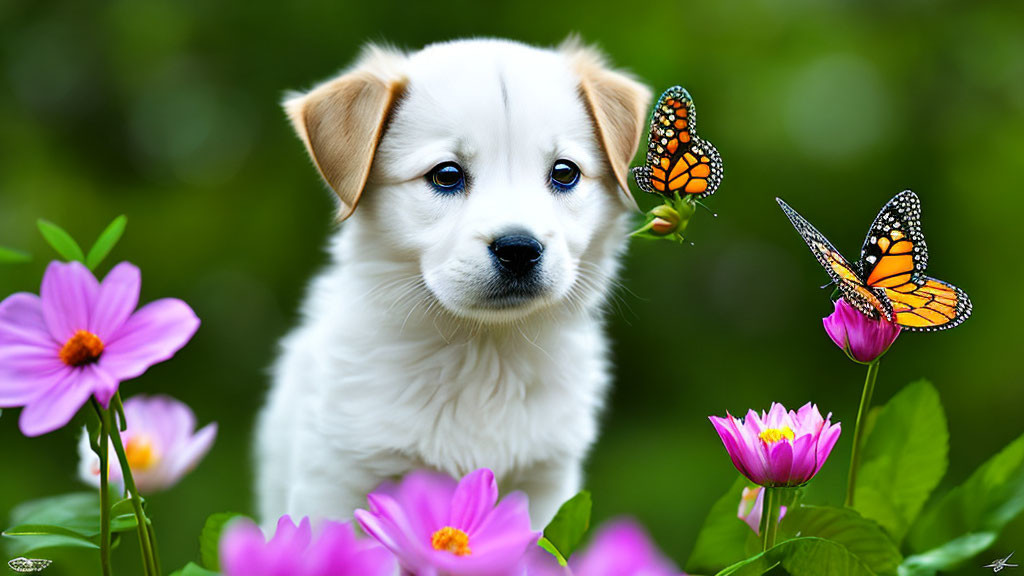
x=138 y=450
x=773 y=435
x=81 y=349
x=451 y=540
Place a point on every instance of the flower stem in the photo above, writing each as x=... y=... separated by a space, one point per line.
x=769 y=517
x=102 y=450
x=148 y=558
x=152 y=545
x=862 y=412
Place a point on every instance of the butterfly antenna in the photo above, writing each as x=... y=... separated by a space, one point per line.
x=827 y=285
x=705 y=206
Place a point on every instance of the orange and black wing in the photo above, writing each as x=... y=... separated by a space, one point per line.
x=678 y=161
x=894 y=258
x=894 y=251
x=927 y=304
x=869 y=301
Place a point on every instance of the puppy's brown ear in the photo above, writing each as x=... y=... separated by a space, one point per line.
x=618 y=105
x=341 y=121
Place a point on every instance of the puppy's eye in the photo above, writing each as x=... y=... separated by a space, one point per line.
x=447 y=178
x=564 y=175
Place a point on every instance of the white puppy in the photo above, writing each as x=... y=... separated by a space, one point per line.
x=460 y=323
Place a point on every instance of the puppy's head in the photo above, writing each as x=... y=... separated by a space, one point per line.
x=496 y=170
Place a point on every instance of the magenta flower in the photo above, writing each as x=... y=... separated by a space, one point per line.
x=161 y=444
x=779 y=448
x=292 y=551
x=864 y=340
x=437 y=526
x=751 y=506
x=80 y=338
x=622 y=547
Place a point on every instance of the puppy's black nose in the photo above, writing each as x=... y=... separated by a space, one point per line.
x=516 y=254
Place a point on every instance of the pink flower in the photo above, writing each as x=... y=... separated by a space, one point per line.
x=293 y=552
x=80 y=338
x=437 y=526
x=779 y=448
x=863 y=339
x=621 y=547
x=751 y=506
x=160 y=443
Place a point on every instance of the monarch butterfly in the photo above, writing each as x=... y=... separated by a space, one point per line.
x=889 y=279
x=678 y=161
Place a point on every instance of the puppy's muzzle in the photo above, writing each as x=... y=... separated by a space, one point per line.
x=516 y=255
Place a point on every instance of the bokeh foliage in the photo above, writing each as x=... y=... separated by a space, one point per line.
x=167 y=111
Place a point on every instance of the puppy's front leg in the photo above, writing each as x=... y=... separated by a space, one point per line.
x=331 y=483
x=548 y=485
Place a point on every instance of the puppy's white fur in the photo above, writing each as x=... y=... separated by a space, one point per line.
x=403 y=359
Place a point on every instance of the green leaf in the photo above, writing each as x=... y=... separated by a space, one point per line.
x=37 y=536
x=209 y=538
x=193 y=569
x=61 y=241
x=547 y=545
x=985 y=503
x=569 y=525
x=948 y=555
x=106 y=242
x=78 y=512
x=122 y=516
x=804 y=556
x=69 y=520
x=724 y=537
x=9 y=256
x=862 y=537
x=904 y=458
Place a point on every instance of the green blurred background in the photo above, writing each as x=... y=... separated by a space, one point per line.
x=167 y=110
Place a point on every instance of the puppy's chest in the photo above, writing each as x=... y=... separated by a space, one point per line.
x=477 y=404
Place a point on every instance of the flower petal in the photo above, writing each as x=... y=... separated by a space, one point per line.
x=473 y=500
x=68 y=293
x=58 y=405
x=116 y=300
x=187 y=456
x=781 y=462
x=622 y=548
x=241 y=549
x=151 y=335
x=104 y=385
x=826 y=442
x=22 y=322
x=426 y=498
x=26 y=372
x=510 y=519
x=805 y=458
x=722 y=426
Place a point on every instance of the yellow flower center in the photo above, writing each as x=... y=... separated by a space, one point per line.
x=451 y=540
x=81 y=349
x=773 y=435
x=138 y=450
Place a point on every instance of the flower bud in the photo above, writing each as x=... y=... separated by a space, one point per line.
x=863 y=339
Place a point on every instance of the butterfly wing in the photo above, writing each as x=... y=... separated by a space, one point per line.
x=869 y=301
x=894 y=251
x=927 y=304
x=894 y=257
x=678 y=161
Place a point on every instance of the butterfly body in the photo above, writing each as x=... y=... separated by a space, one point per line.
x=889 y=280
